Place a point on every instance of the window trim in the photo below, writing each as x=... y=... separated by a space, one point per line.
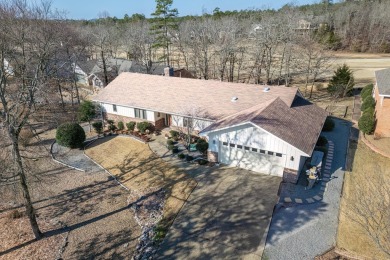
x=140 y=113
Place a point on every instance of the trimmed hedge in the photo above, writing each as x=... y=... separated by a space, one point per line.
x=322 y=141
x=70 y=135
x=170 y=142
x=181 y=156
x=174 y=133
x=328 y=125
x=143 y=126
x=202 y=145
x=366 y=91
x=369 y=102
x=131 y=126
x=121 y=126
x=98 y=127
x=367 y=123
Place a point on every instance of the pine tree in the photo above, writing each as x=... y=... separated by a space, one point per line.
x=163 y=22
x=342 y=82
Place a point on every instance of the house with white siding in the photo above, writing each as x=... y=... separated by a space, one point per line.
x=266 y=129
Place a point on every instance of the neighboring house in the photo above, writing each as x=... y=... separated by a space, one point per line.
x=265 y=129
x=91 y=73
x=382 y=106
x=8 y=68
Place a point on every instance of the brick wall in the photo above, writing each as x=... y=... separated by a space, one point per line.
x=290 y=175
x=212 y=156
x=124 y=119
x=382 y=113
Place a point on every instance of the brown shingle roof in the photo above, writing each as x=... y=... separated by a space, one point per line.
x=299 y=125
x=172 y=95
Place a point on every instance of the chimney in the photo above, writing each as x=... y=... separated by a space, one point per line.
x=168 y=72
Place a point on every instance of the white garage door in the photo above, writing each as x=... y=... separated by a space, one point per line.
x=253 y=159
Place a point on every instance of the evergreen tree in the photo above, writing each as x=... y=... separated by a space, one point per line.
x=87 y=112
x=342 y=82
x=164 y=21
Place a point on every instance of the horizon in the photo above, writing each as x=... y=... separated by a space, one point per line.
x=89 y=9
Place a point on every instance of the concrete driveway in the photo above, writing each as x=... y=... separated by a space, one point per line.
x=226 y=217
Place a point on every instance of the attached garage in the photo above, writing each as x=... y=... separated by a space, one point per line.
x=251 y=158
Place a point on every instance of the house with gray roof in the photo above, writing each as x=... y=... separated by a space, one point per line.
x=382 y=106
x=267 y=129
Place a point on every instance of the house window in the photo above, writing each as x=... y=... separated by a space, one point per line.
x=114 y=108
x=279 y=155
x=247 y=148
x=232 y=145
x=239 y=146
x=225 y=143
x=254 y=150
x=270 y=153
x=140 y=113
x=158 y=114
x=187 y=122
x=262 y=151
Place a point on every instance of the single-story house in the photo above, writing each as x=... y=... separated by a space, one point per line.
x=382 y=106
x=268 y=129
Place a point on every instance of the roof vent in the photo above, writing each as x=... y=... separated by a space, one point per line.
x=266 y=89
x=234 y=99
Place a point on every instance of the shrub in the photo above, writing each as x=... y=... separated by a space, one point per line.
x=121 y=126
x=142 y=126
x=367 y=123
x=170 y=147
x=369 y=102
x=328 y=125
x=202 y=145
x=342 y=82
x=189 y=158
x=175 y=149
x=70 y=135
x=181 y=156
x=370 y=111
x=98 y=127
x=174 y=133
x=366 y=91
x=111 y=125
x=202 y=162
x=131 y=126
x=170 y=142
x=322 y=141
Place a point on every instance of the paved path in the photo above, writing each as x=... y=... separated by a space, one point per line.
x=74 y=158
x=307 y=230
x=225 y=217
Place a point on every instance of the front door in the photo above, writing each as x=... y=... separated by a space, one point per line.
x=168 y=120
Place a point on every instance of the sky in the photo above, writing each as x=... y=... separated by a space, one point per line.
x=89 y=9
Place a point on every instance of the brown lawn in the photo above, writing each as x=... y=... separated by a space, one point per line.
x=351 y=236
x=143 y=172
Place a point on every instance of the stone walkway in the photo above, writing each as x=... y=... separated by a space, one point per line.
x=74 y=158
x=297 y=193
x=306 y=230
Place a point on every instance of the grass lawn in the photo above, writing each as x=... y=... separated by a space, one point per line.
x=351 y=236
x=143 y=172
